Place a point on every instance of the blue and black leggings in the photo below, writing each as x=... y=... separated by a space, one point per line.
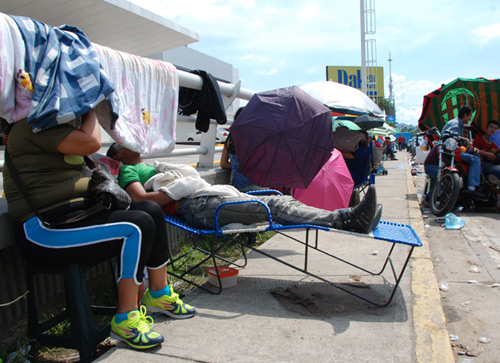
x=137 y=236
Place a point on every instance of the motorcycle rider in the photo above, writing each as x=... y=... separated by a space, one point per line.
x=469 y=157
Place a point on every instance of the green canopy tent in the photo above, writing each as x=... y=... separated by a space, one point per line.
x=442 y=105
x=346 y=123
x=385 y=130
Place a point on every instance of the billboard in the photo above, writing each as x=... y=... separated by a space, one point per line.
x=351 y=76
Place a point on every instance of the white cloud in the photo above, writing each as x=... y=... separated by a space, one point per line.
x=192 y=11
x=266 y=26
x=247 y=4
x=309 y=12
x=253 y=58
x=246 y=57
x=315 y=70
x=408 y=115
x=424 y=37
x=267 y=73
x=404 y=90
x=409 y=96
x=485 y=34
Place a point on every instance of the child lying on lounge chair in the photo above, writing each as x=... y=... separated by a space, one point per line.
x=181 y=191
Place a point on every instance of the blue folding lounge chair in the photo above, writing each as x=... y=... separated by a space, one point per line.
x=398 y=235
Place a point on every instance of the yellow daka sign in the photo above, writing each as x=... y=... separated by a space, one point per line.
x=351 y=76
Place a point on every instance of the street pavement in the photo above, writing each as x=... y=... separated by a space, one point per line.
x=467 y=266
x=248 y=323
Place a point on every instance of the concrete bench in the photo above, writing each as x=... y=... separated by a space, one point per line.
x=17 y=279
x=12 y=264
x=7 y=238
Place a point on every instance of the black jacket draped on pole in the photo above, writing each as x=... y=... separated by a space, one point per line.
x=208 y=102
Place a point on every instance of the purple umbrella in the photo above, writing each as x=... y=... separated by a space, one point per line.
x=283 y=138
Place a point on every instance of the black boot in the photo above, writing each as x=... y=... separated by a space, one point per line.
x=360 y=218
x=377 y=217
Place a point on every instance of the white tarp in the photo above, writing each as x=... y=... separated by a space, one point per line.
x=147 y=91
x=342 y=98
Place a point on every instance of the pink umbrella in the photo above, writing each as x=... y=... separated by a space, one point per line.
x=331 y=188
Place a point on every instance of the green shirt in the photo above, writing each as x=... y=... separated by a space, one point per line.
x=51 y=178
x=132 y=173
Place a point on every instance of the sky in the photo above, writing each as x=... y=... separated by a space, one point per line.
x=278 y=44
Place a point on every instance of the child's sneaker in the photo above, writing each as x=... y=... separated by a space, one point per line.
x=170 y=305
x=135 y=331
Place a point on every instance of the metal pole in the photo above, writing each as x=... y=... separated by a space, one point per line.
x=363 y=45
x=391 y=94
x=193 y=81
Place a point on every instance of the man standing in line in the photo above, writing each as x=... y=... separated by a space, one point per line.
x=401 y=142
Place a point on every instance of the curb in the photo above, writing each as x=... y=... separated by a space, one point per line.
x=432 y=342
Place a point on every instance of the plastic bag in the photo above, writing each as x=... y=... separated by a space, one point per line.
x=453 y=222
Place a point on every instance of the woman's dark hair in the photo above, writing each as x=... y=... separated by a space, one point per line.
x=112 y=151
x=229 y=141
x=240 y=110
x=230 y=145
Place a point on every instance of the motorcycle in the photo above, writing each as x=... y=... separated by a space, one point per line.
x=449 y=186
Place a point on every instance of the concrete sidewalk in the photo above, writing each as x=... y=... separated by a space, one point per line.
x=249 y=323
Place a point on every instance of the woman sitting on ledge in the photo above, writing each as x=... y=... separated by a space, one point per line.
x=50 y=164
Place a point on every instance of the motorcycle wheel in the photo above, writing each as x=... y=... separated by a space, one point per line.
x=448 y=194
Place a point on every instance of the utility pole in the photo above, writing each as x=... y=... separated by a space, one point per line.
x=368 y=49
x=363 y=46
x=391 y=94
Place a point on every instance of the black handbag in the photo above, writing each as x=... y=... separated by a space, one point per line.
x=107 y=191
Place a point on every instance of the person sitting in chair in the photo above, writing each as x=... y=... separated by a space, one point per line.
x=229 y=160
x=134 y=175
x=389 y=148
x=489 y=152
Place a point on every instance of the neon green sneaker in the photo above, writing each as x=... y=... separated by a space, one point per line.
x=169 y=305
x=135 y=331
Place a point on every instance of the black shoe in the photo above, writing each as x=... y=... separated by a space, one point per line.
x=361 y=217
x=479 y=196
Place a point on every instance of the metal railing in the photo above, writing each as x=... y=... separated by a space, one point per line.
x=207 y=147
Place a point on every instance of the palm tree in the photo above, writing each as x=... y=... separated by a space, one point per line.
x=386 y=105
